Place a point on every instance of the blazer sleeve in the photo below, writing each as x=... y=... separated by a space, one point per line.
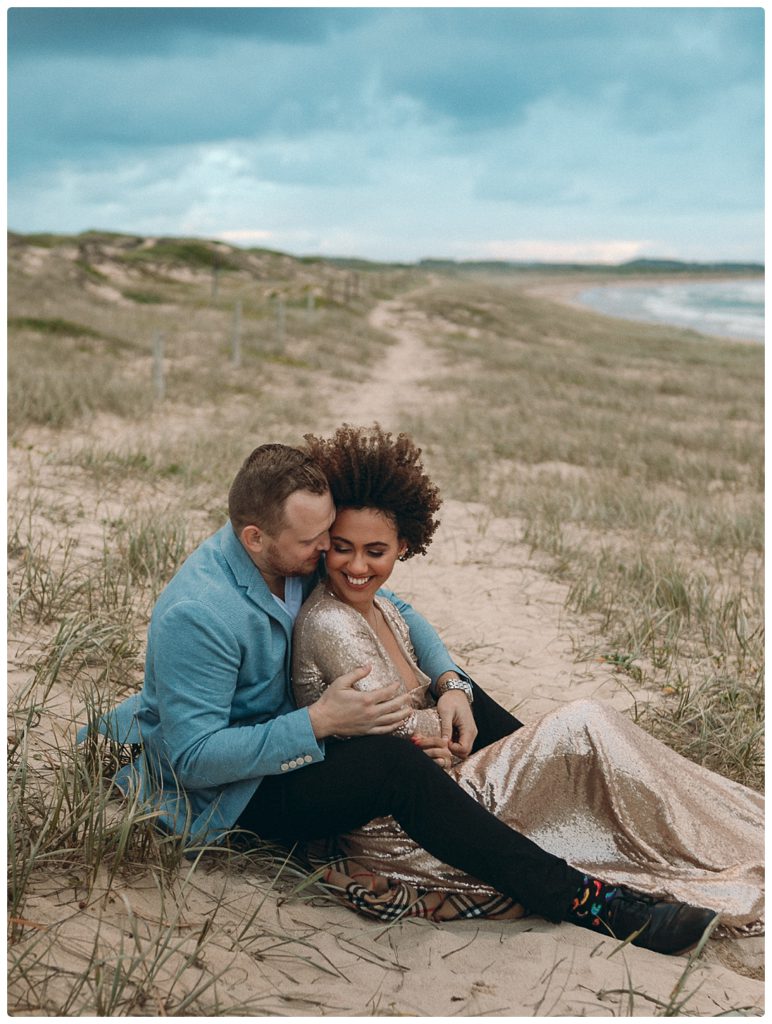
x=196 y=665
x=432 y=655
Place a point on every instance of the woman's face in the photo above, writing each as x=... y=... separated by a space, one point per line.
x=363 y=549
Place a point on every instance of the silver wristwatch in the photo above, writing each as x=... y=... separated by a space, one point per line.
x=455 y=684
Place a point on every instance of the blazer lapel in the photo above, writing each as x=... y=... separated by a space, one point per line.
x=247 y=575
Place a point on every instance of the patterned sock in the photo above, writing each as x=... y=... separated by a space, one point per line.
x=589 y=905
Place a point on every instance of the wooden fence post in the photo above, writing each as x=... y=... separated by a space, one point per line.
x=280 y=323
x=159 y=384
x=236 y=337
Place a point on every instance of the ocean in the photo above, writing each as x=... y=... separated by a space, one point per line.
x=728 y=308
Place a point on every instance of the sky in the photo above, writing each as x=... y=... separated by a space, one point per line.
x=519 y=133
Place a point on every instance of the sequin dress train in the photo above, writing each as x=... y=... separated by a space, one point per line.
x=583 y=782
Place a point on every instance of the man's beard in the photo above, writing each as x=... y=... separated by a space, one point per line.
x=282 y=567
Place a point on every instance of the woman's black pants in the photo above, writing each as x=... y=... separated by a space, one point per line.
x=367 y=777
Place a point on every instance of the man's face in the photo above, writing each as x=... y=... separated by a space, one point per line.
x=296 y=549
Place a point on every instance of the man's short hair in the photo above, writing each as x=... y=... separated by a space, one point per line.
x=268 y=476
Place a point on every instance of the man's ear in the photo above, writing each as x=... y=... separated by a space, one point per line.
x=252 y=539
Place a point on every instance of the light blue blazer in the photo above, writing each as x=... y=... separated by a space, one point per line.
x=216 y=713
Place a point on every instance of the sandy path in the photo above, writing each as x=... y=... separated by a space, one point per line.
x=399 y=381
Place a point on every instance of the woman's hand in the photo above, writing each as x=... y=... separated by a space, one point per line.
x=458 y=724
x=343 y=710
x=437 y=747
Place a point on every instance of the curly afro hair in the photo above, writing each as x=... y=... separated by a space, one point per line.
x=367 y=468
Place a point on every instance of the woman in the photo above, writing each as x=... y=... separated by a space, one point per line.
x=584 y=782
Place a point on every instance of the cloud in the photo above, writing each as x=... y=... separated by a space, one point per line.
x=243 y=236
x=163 y=30
x=483 y=68
x=59 y=109
x=568 y=154
x=539 y=250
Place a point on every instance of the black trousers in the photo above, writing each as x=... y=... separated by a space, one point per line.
x=369 y=776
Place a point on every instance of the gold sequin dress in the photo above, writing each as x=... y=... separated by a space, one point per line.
x=583 y=782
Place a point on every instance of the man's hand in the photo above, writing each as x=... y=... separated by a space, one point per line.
x=457 y=722
x=344 y=711
x=435 y=746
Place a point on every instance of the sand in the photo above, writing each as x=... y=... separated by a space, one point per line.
x=505 y=620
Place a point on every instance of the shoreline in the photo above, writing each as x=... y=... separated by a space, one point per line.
x=567 y=294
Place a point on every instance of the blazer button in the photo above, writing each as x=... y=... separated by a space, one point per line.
x=284 y=766
x=308 y=759
x=293 y=763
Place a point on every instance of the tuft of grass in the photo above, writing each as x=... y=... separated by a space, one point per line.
x=61 y=811
x=152 y=548
x=716 y=721
x=106 y=647
x=144 y=298
x=44 y=583
x=188 y=251
x=53 y=326
x=91 y=272
x=70 y=832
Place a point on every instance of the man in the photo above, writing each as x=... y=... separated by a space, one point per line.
x=224 y=746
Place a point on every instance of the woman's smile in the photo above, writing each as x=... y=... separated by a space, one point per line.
x=361 y=581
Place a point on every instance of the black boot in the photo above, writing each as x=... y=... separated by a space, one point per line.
x=671 y=928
